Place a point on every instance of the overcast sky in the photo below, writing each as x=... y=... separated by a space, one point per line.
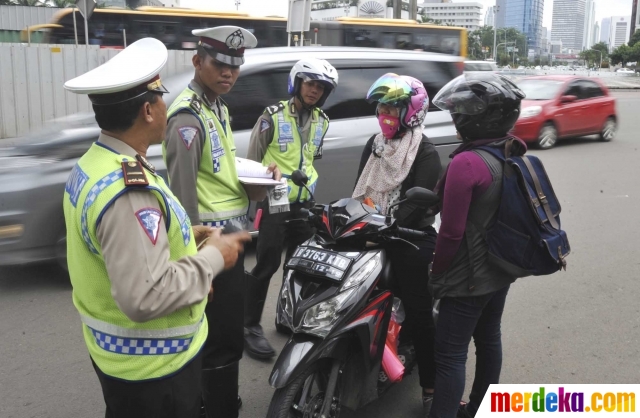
x=604 y=8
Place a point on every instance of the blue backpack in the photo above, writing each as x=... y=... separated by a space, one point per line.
x=526 y=238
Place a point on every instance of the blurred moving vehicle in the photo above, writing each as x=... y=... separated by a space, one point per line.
x=33 y=174
x=110 y=26
x=625 y=71
x=474 y=66
x=565 y=106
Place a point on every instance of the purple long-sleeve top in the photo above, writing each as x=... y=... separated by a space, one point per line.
x=468 y=178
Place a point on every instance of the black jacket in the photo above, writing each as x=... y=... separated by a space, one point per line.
x=424 y=172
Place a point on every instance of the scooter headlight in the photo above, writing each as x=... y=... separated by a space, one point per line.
x=320 y=318
x=356 y=278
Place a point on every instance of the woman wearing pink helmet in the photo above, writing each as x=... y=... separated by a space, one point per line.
x=398 y=158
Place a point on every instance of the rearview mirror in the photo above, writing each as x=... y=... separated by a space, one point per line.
x=568 y=99
x=422 y=197
x=299 y=178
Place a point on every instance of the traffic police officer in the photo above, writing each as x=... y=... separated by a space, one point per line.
x=200 y=157
x=139 y=283
x=289 y=133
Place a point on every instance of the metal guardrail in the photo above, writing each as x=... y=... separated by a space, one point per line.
x=583 y=73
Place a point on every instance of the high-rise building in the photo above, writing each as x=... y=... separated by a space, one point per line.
x=596 y=34
x=524 y=15
x=589 y=20
x=605 y=30
x=619 y=32
x=635 y=17
x=489 y=17
x=568 y=24
x=544 y=42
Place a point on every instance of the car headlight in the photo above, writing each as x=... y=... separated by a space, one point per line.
x=531 y=111
x=360 y=275
x=286 y=303
x=320 y=318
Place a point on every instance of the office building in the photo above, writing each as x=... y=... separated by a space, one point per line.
x=524 y=15
x=619 y=31
x=489 y=17
x=589 y=21
x=635 y=16
x=605 y=30
x=568 y=24
x=462 y=14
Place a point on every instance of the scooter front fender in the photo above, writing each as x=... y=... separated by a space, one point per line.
x=297 y=355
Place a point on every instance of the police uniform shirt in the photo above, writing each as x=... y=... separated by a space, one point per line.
x=182 y=162
x=263 y=131
x=144 y=283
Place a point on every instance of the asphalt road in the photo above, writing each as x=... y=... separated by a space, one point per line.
x=579 y=326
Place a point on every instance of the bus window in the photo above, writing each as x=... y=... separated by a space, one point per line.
x=141 y=29
x=388 y=40
x=167 y=32
x=360 y=37
x=403 y=41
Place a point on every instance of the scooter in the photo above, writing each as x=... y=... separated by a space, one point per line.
x=337 y=303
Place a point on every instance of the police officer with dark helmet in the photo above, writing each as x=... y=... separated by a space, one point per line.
x=289 y=133
x=200 y=156
x=139 y=282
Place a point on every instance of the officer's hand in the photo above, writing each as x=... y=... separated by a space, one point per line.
x=229 y=245
x=200 y=232
x=273 y=168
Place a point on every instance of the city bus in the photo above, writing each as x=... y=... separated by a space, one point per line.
x=112 y=28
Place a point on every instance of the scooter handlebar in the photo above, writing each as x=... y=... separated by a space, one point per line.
x=409 y=234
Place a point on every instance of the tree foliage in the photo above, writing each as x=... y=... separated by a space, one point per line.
x=635 y=38
x=480 y=45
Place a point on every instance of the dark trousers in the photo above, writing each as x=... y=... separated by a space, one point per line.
x=176 y=396
x=274 y=235
x=410 y=271
x=459 y=320
x=225 y=343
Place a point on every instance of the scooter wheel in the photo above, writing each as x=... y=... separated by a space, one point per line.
x=286 y=401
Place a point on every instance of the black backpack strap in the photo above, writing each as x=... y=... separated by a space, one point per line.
x=541 y=197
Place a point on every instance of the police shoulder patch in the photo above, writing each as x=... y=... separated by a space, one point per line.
x=275 y=108
x=324 y=115
x=195 y=103
x=188 y=133
x=264 y=125
x=149 y=219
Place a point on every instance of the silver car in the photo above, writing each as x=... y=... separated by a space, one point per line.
x=33 y=173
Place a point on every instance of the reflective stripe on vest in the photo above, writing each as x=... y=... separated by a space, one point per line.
x=117 y=331
x=139 y=347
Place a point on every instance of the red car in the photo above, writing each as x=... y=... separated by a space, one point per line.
x=564 y=106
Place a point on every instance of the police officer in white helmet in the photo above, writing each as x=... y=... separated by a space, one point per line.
x=289 y=133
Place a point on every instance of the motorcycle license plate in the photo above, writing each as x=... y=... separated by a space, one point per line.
x=319 y=262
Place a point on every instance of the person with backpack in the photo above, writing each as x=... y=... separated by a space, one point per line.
x=289 y=133
x=471 y=290
x=393 y=161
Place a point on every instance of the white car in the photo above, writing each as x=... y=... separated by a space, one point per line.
x=475 y=66
x=625 y=70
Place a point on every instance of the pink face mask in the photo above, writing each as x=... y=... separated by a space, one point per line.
x=389 y=125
